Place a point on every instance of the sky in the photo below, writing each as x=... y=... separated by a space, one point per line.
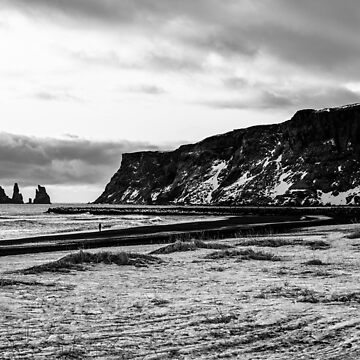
x=83 y=81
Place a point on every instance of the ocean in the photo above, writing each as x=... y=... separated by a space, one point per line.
x=17 y=221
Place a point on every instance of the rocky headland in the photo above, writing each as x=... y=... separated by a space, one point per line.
x=310 y=160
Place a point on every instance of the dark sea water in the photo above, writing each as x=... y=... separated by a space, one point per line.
x=30 y=220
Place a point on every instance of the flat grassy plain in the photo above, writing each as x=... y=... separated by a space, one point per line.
x=294 y=295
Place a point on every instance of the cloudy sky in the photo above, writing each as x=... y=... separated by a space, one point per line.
x=83 y=81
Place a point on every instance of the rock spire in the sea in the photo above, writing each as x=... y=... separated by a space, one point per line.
x=17 y=197
x=4 y=199
x=41 y=196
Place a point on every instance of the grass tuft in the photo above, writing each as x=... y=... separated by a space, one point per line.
x=268 y=242
x=354 y=235
x=73 y=354
x=159 y=301
x=308 y=295
x=317 y=244
x=247 y=254
x=76 y=261
x=179 y=246
x=277 y=242
x=315 y=262
x=14 y=282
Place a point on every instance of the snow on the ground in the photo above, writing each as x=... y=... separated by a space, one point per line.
x=190 y=307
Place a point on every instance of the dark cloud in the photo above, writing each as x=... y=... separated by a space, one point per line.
x=265 y=100
x=310 y=97
x=322 y=34
x=147 y=89
x=324 y=97
x=32 y=160
x=109 y=59
x=316 y=50
x=114 y=11
x=320 y=37
x=55 y=96
x=155 y=62
x=236 y=82
x=173 y=63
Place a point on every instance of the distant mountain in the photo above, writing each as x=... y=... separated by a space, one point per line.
x=312 y=159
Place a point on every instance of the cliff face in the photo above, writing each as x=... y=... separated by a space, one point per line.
x=311 y=159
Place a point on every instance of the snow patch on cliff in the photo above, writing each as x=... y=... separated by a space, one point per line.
x=239 y=185
x=213 y=181
x=201 y=193
x=242 y=181
x=283 y=184
x=340 y=198
x=155 y=195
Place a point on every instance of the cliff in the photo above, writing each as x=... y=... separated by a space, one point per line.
x=312 y=159
x=41 y=196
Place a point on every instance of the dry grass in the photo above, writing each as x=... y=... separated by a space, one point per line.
x=15 y=282
x=268 y=242
x=278 y=242
x=306 y=295
x=77 y=261
x=317 y=244
x=354 y=235
x=247 y=254
x=179 y=246
x=72 y=354
x=315 y=262
x=159 y=301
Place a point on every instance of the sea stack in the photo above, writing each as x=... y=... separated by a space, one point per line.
x=4 y=199
x=17 y=198
x=41 y=196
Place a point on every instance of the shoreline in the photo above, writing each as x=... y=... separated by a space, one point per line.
x=346 y=211
x=141 y=235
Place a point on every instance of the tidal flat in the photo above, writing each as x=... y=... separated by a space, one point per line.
x=294 y=295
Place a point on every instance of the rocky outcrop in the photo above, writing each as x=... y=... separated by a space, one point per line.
x=4 y=199
x=17 y=198
x=41 y=196
x=312 y=159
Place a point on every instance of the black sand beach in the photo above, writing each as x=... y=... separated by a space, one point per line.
x=209 y=229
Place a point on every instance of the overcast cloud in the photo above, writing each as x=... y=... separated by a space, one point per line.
x=318 y=39
x=321 y=33
x=50 y=161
